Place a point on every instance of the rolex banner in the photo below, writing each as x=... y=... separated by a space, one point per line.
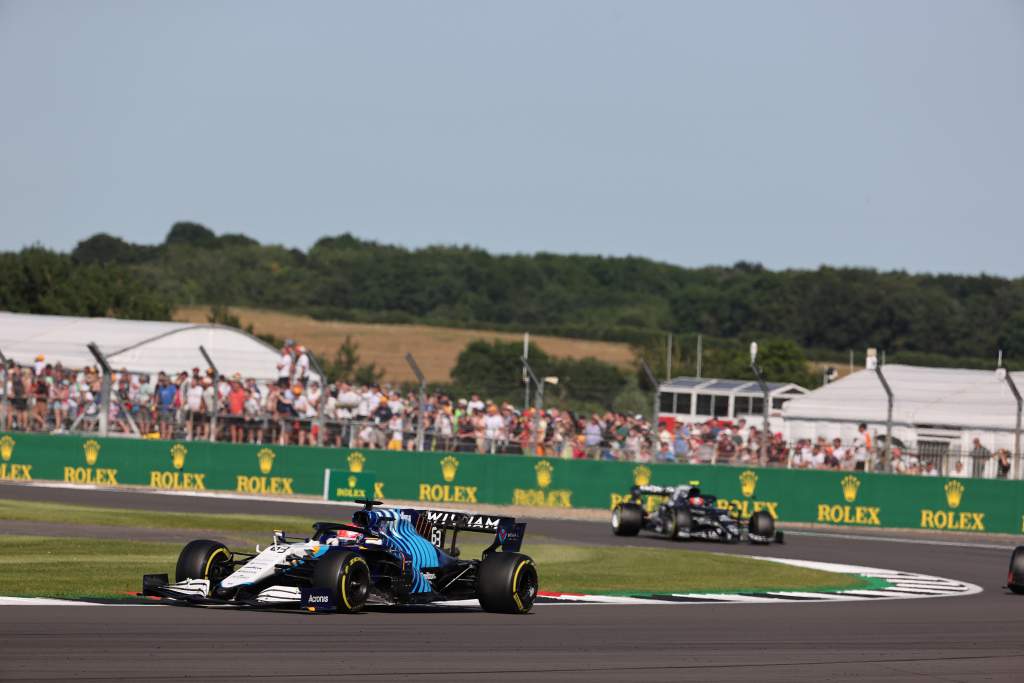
x=345 y=485
x=454 y=479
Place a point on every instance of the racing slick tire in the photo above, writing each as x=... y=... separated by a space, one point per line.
x=203 y=559
x=762 y=524
x=1015 y=581
x=346 y=576
x=507 y=582
x=627 y=518
x=682 y=521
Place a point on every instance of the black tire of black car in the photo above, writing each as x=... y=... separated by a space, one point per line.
x=630 y=518
x=762 y=524
x=203 y=559
x=507 y=583
x=1015 y=580
x=683 y=522
x=346 y=575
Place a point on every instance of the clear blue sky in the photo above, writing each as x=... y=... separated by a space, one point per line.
x=887 y=134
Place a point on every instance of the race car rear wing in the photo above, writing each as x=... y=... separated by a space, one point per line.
x=435 y=525
x=652 y=490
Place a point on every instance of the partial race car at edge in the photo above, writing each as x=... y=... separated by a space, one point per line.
x=383 y=557
x=687 y=513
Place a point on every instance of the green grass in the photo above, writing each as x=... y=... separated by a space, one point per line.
x=147 y=519
x=79 y=567
x=85 y=567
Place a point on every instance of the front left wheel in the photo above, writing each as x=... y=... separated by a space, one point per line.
x=203 y=559
x=507 y=582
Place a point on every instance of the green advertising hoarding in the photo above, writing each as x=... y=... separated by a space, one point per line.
x=452 y=479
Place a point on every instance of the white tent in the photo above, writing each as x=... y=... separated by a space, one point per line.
x=929 y=402
x=136 y=345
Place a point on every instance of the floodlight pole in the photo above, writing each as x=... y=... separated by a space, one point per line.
x=421 y=412
x=539 y=402
x=650 y=378
x=216 y=392
x=886 y=458
x=766 y=402
x=322 y=402
x=1016 y=433
x=104 y=427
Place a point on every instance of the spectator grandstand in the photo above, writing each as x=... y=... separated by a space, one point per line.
x=283 y=399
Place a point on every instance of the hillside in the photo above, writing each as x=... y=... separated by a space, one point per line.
x=435 y=348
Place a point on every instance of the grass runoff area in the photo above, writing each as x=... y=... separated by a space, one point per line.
x=68 y=565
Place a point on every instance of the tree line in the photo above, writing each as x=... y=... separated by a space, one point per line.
x=924 y=318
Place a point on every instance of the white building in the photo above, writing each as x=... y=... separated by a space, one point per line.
x=141 y=346
x=696 y=399
x=936 y=410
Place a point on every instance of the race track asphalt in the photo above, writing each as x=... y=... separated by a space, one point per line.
x=976 y=637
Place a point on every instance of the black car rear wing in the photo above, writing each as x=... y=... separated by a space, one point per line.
x=435 y=525
x=651 y=490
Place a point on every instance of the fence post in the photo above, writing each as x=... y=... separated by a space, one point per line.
x=104 y=426
x=422 y=412
x=886 y=458
x=654 y=383
x=323 y=398
x=539 y=403
x=216 y=393
x=1020 y=408
x=767 y=402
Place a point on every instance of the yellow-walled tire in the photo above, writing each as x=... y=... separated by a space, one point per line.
x=347 y=576
x=203 y=559
x=507 y=583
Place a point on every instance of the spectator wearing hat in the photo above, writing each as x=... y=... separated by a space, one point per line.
x=285 y=366
x=236 y=410
x=301 y=365
x=165 y=395
x=193 y=399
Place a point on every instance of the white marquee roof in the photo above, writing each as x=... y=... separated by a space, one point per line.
x=923 y=396
x=137 y=345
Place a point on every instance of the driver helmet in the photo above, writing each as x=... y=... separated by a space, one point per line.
x=346 y=537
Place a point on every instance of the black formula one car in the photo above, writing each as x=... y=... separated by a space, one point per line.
x=386 y=556
x=688 y=513
x=1015 y=580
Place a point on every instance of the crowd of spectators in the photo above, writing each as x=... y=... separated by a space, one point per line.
x=296 y=409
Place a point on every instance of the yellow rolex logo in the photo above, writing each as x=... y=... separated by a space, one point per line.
x=92 y=451
x=748 y=483
x=850 y=485
x=178 y=453
x=641 y=475
x=449 y=466
x=352 y=482
x=543 y=470
x=266 y=458
x=6 y=447
x=356 y=460
x=954 y=493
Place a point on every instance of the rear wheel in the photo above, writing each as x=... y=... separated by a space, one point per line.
x=203 y=560
x=627 y=518
x=1015 y=581
x=346 y=576
x=507 y=582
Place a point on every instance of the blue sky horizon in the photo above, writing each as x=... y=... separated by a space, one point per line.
x=792 y=134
